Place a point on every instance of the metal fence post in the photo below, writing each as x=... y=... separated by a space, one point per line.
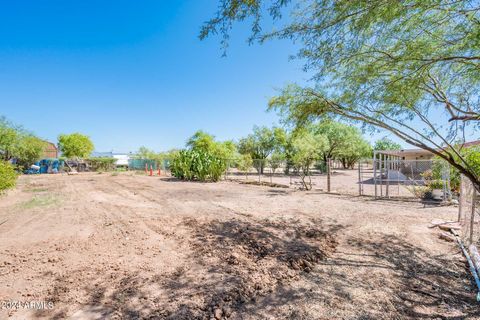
x=375 y=171
x=360 y=178
x=387 y=167
x=329 y=174
x=472 y=216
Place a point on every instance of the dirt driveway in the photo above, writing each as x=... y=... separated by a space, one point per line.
x=125 y=246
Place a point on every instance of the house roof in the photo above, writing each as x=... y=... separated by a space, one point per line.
x=50 y=144
x=419 y=152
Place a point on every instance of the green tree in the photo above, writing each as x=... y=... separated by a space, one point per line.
x=386 y=63
x=17 y=143
x=355 y=149
x=307 y=147
x=29 y=149
x=75 y=145
x=145 y=154
x=260 y=144
x=202 y=141
x=245 y=163
x=338 y=135
x=386 y=144
x=9 y=136
x=276 y=159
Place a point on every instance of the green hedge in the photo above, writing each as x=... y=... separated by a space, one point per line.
x=8 y=176
x=197 y=165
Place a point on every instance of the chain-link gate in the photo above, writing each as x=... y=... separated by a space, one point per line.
x=390 y=178
x=278 y=173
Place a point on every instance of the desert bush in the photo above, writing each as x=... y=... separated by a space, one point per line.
x=8 y=176
x=197 y=165
x=245 y=163
x=102 y=164
x=420 y=192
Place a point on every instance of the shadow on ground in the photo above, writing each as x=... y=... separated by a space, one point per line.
x=285 y=269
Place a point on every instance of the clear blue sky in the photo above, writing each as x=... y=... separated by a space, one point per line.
x=131 y=73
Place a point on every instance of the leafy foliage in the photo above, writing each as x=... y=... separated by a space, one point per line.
x=8 y=139
x=17 y=143
x=8 y=176
x=205 y=160
x=355 y=148
x=205 y=142
x=386 y=63
x=386 y=144
x=345 y=142
x=245 y=163
x=145 y=153
x=29 y=150
x=197 y=165
x=471 y=156
x=75 y=145
x=276 y=159
x=261 y=143
x=307 y=147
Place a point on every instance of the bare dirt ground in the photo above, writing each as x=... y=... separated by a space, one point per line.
x=134 y=247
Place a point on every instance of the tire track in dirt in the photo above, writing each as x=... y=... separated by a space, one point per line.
x=127 y=212
x=150 y=226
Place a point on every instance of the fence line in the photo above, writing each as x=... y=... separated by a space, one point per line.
x=378 y=178
x=469 y=212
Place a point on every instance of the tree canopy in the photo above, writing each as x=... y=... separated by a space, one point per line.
x=145 y=153
x=307 y=146
x=386 y=144
x=409 y=67
x=262 y=142
x=206 y=142
x=343 y=141
x=17 y=143
x=75 y=145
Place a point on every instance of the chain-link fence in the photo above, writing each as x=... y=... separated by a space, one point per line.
x=423 y=179
x=283 y=173
x=469 y=212
x=148 y=164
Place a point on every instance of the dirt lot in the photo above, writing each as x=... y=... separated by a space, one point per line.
x=135 y=247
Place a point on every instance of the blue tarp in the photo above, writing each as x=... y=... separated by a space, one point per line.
x=47 y=166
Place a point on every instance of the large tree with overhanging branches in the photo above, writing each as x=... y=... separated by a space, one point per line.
x=409 y=67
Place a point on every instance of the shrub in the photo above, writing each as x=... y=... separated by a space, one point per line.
x=245 y=163
x=102 y=164
x=197 y=165
x=420 y=192
x=8 y=176
x=435 y=184
x=471 y=156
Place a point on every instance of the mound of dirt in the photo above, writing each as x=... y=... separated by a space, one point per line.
x=255 y=258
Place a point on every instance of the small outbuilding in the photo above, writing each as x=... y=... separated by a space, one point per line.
x=412 y=154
